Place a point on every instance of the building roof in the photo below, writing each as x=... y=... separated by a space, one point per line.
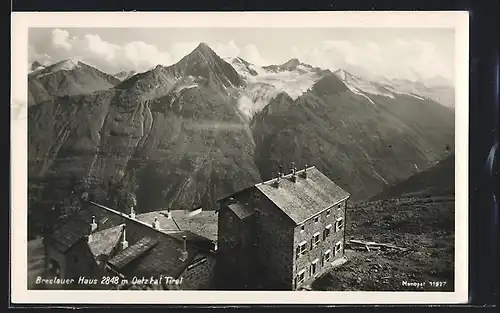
x=77 y=226
x=192 y=238
x=162 y=258
x=132 y=252
x=141 y=257
x=166 y=224
x=304 y=198
x=104 y=241
x=240 y=210
x=203 y=223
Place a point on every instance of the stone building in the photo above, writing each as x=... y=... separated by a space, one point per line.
x=98 y=241
x=281 y=234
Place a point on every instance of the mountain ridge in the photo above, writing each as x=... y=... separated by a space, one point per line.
x=66 y=78
x=177 y=136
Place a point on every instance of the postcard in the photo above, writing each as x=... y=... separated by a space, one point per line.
x=239 y=158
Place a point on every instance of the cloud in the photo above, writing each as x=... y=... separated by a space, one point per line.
x=251 y=53
x=95 y=45
x=397 y=59
x=180 y=49
x=139 y=55
x=144 y=56
x=409 y=59
x=227 y=50
x=42 y=58
x=61 y=39
x=92 y=49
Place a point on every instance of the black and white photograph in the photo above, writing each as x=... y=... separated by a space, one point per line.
x=242 y=158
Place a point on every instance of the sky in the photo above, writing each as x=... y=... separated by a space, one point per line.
x=389 y=52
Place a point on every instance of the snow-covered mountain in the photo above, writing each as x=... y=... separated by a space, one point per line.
x=123 y=75
x=65 y=65
x=261 y=84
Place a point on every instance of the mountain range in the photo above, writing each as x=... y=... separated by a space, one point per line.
x=65 y=78
x=185 y=135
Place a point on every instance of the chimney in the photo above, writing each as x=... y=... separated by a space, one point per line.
x=304 y=174
x=156 y=223
x=132 y=212
x=184 y=254
x=294 y=172
x=280 y=174
x=169 y=214
x=124 y=242
x=93 y=227
x=277 y=181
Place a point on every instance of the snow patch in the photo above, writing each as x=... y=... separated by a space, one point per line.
x=66 y=65
x=186 y=83
x=356 y=91
x=356 y=83
x=183 y=87
x=262 y=85
x=415 y=96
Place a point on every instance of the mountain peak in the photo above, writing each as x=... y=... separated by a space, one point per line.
x=340 y=73
x=204 y=49
x=292 y=63
x=35 y=65
x=68 y=64
x=203 y=45
x=204 y=62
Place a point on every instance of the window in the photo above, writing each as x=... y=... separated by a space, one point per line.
x=327 y=212
x=326 y=232
x=340 y=224
x=302 y=228
x=301 y=276
x=339 y=206
x=301 y=249
x=327 y=256
x=316 y=239
x=314 y=267
x=338 y=247
x=316 y=219
x=75 y=258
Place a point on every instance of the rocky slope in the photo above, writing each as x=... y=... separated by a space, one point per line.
x=66 y=78
x=173 y=136
x=418 y=215
x=362 y=141
x=435 y=181
x=178 y=136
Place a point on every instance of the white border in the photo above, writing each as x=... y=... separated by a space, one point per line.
x=22 y=21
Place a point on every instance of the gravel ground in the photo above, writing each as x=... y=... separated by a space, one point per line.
x=423 y=225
